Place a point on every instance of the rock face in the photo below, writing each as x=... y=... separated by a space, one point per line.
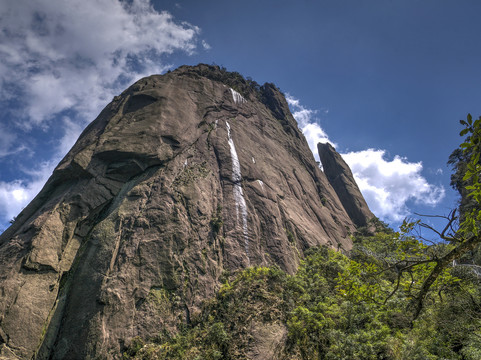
x=179 y=179
x=340 y=177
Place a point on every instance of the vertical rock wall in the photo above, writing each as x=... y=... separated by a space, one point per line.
x=179 y=179
x=342 y=180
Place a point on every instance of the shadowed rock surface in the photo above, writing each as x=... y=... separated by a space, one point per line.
x=179 y=179
x=340 y=177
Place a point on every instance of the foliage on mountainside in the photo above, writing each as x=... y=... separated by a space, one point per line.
x=394 y=296
x=243 y=85
x=336 y=307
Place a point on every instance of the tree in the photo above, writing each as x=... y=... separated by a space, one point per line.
x=459 y=237
x=417 y=263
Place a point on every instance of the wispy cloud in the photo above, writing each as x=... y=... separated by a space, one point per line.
x=62 y=61
x=9 y=144
x=309 y=124
x=206 y=45
x=387 y=185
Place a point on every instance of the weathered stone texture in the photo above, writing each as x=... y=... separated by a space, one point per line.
x=340 y=177
x=140 y=219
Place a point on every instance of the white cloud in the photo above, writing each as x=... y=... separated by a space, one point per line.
x=206 y=45
x=387 y=186
x=77 y=54
x=306 y=119
x=69 y=58
x=15 y=195
x=9 y=143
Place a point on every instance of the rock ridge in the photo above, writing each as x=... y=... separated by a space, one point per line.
x=340 y=177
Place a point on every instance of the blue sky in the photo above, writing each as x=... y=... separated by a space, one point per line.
x=385 y=81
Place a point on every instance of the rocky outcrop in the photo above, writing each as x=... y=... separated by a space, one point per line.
x=340 y=177
x=181 y=178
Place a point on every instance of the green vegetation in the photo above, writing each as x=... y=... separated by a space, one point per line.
x=159 y=298
x=244 y=86
x=290 y=236
x=190 y=174
x=395 y=295
x=216 y=222
x=334 y=307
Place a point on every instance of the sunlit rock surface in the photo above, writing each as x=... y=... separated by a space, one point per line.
x=182 y=177
x=340 y=177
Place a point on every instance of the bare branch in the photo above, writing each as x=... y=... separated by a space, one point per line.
x=442 y=264
x=394 y=290
x=448 y=228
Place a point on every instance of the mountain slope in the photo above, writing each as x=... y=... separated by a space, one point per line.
x=180 y=179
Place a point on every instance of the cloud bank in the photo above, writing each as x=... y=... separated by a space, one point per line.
x=62 y=61
x=387 y=185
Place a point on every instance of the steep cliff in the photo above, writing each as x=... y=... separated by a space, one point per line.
x=181 y=178
x=340 y=177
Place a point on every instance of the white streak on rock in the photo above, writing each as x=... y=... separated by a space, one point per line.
x=238 y=98
x=261 y=184
x=240 y=202
x=253 y=160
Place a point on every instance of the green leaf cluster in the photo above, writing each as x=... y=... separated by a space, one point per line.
x=472 y=171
